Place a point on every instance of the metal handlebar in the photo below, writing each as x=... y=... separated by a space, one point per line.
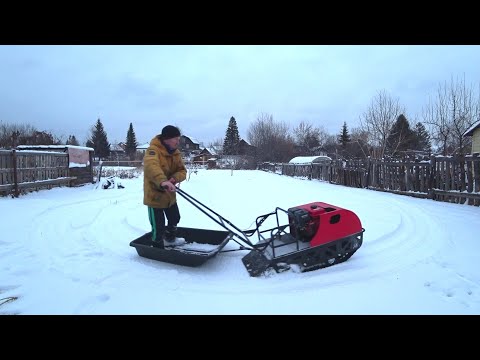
x=226 y=224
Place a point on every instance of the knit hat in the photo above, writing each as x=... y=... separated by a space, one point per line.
x=169 y=132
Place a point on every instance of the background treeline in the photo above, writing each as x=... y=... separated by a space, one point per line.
x=12 y=135
x=386 y=130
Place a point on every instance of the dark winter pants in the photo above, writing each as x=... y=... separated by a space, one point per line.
x=157 y=220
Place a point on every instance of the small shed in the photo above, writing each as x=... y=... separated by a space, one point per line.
x=204 y=159
x=304 y=160
x=80 y=160
x=474 y=132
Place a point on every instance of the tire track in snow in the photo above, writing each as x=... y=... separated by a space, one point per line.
x=384 y=255
x=388 y=254
x=73 y=243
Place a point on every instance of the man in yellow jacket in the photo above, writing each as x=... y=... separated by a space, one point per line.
x=163 y=169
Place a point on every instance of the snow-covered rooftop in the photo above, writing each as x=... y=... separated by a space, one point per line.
x=308 y=159
x=192 y=139
x=144 y=146
x=116 y=147
x=54 y=147
x=470 y=130
x=211 y=150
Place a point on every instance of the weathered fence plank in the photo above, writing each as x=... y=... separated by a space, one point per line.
x=449 y=179
x=20 y=170
x=476 y=176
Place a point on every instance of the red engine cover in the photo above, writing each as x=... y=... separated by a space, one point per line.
x=333 y=222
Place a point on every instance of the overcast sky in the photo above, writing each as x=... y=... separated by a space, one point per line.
x=65 y=89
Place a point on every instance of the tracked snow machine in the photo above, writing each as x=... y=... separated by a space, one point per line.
x=314 y=236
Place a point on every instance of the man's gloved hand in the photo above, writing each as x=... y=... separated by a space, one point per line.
x=167 y=185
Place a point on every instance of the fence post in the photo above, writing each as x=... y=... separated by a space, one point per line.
x=431 y=179
x=367 y=180
x=15 y=180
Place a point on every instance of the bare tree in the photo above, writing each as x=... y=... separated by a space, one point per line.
x=379 y=119
x=454 y=109
x=323 y=135
x=330 y=144
x=232 y=162
x=271 y=139
x=216 y=142
x=435 y=114
x=305 y=134
x=12 y=135
x=358 y=146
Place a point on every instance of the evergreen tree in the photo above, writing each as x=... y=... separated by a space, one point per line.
x=422 y=138
x=131 y=143
x=72 y=140
x=99 y=140
x=344 y=137
x=232 y=139
x=401 y=137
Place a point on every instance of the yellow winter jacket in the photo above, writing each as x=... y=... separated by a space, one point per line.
x=160 y=166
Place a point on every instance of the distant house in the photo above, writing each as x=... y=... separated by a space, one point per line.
x=310 y=160
x=205 y=159
x=319 y=151
x=474 y=132
x=117 y=150
x=189 y=144
x=207 y=151
x=212 y=150
x=207 y=156
x=244 y=148
x=143 y=148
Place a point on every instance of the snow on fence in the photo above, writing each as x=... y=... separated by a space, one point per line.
x=33 y=170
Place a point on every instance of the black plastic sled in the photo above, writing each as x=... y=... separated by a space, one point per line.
x=201 y=245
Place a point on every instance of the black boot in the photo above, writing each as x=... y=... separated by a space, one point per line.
x=171 y=239
x=170 y=233
x=158 y=242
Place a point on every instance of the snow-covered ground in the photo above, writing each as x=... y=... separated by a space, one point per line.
x=66 y=251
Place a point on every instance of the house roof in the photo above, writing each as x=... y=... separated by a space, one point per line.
x=24 y=147
x=144 y=146
x=193 y=140
x=309 y=159
x=211 y=150
x=472 y=128
x=117 y=147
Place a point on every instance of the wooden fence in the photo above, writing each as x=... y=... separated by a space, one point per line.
x=129 y=163
x=450 y=179
x=33 y=170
